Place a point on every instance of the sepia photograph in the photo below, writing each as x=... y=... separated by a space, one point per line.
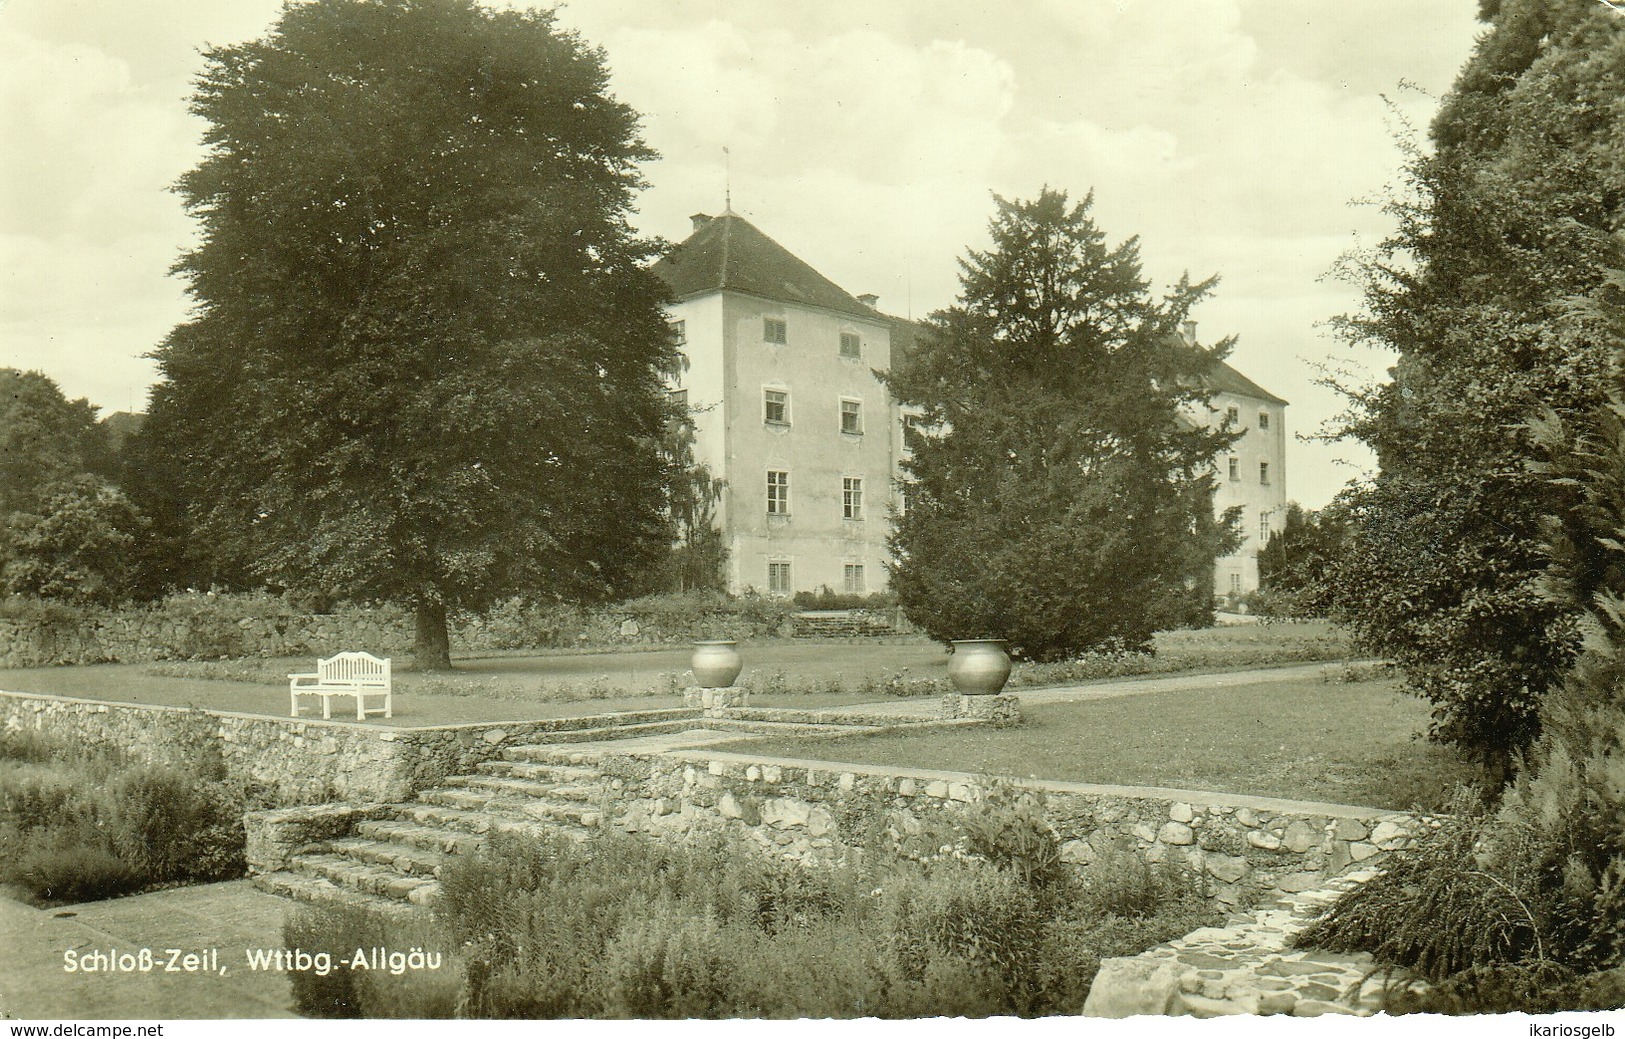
x=1055 y=515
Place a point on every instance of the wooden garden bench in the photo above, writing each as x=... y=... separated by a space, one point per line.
x=347 y=674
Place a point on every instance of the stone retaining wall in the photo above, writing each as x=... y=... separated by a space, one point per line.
x=141 y=635
x=210 y=627
x=292 y=761
x=811 y=811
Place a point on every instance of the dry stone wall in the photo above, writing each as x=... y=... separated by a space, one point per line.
x=797 y=809
x=289 y=761
x=141 y=635
x=1247 y=846
x=204 y=626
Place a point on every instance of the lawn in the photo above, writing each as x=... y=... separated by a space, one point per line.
x=1346 y=743
x=781 y=672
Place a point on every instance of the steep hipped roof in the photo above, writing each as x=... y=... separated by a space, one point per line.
x=727 y=252
x=1225 y=379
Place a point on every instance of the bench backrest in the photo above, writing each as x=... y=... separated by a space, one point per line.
x=354 y=667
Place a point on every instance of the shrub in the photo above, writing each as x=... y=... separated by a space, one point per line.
x=1440 y=908
x=1540 y=987
x=95 y=826
x=333 y=990
x=827 y=598
x=1119 y=883
x=665 y=962
x=626 y=926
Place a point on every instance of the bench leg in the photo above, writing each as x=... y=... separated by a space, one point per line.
x=327 y=706
x=360 y=708
x=294 y=697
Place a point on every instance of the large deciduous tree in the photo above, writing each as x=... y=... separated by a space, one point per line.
x=65 y=531
x=425 y=364
x=1061 y=494
x=1507 y=219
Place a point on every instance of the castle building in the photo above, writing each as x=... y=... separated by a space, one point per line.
x=787 y=411
x=1252 y=474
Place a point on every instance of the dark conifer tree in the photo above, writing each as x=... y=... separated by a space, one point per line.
x=1061 y=495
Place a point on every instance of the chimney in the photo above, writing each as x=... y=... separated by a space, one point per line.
x=700 y=220
x=1187 y=329
x=870 y=300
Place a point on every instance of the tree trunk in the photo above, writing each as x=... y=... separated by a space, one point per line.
x=432 y=648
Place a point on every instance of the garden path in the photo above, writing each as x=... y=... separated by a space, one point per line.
x=230 y=918
x=925 y=706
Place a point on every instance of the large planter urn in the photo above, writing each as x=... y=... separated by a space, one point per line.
x=716 y=664
x=979 y=667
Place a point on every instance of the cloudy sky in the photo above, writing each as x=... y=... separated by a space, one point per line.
x=1235 y=137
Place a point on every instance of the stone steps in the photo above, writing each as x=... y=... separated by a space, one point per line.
x=600 y=733
x=415 y=861
x=394 y=861
x=785 y=728
x=321 y=891
x=540 y=771
x=519 y=787
x=501 y=817
x=616 y=719
x=419 y=836
x=368 y=878
x=841 y=625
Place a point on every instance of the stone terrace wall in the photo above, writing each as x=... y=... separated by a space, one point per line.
x=203 y=626
x=1248 y=846
x=293 y=761
x=137 y=635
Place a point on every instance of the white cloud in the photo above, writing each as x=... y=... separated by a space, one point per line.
x=866 y=135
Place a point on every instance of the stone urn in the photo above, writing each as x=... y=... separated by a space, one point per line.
x=979 y=667
x=716 y=664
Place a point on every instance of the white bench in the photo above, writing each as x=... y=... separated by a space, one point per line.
x=348 y=674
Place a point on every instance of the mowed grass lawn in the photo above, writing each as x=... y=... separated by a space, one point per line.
x=1356 y=743
x=520 y=686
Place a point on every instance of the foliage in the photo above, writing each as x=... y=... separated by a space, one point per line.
x=666 y=617
x=1507 y=218
x=1294 y=563
x=699 y=557
x=1054 y=393
x=1534 y=988
x=44 y=439
x=76 y=827
x=65 y=532
x=1436 y=908
x=81 y=547
x=1507 y=907
x=427 y=358
x=628 y=927
x=826 y=598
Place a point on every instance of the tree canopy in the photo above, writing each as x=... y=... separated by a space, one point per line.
x=426 y=359
x=1506 y=221
x=1059 y=493
x=65 y=531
